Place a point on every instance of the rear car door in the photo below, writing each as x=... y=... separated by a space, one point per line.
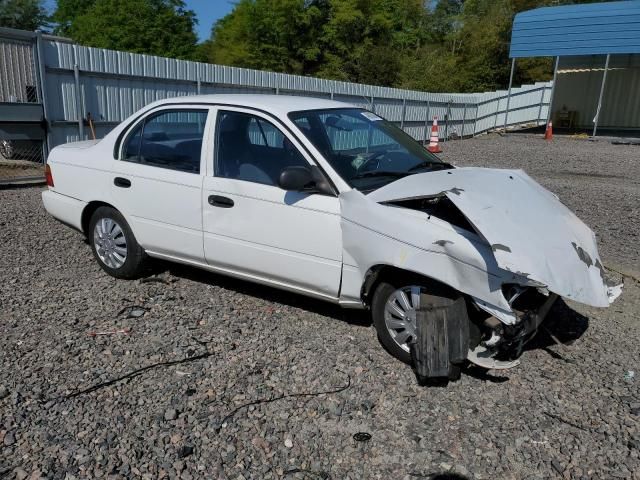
x=254 y=228
x=157 y=181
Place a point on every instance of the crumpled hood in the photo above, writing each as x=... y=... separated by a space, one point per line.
x=530 y=231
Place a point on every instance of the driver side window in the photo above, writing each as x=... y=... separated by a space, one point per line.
x=350 y=133
x=252 y=149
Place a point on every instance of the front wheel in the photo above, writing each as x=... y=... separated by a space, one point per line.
x=114 y=246
x=394 y=309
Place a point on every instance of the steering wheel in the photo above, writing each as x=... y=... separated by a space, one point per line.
x=369 y=158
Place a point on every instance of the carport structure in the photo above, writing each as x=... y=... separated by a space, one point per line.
x=596 y=77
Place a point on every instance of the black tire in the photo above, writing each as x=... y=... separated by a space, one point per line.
x=136 y=259
x=384 y=289
x=380 y=297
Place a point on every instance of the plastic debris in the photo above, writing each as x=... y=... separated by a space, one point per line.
x=362 y=436
x=133 y=311
x=124 y=331
x=629 y=375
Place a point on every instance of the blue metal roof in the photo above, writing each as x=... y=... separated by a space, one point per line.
x=588 y=29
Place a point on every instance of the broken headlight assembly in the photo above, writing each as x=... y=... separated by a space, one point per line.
x=497 y=345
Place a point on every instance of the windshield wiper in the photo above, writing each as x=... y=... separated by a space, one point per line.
x=430 y=164
x=379 y=173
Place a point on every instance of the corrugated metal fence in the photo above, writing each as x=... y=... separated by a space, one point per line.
x=108 y=86
x=17 y=72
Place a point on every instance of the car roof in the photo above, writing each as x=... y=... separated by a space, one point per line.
x=278 y=104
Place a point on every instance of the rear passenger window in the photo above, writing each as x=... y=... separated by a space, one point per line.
x=252 y=149
x=169 y=139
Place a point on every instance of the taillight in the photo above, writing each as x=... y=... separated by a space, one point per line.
x=48 y=176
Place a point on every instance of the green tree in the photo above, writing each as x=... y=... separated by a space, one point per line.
x=278 y=35
x=355 y=40
x=66 y=12
x=155 y=27
x=471 y=49
x=22 y=14
x=434 y=45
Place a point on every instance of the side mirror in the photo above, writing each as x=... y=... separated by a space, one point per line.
x=295 y=178
x=304 y=179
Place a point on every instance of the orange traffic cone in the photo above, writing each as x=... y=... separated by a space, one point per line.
x=433 y=141
x=548 y=133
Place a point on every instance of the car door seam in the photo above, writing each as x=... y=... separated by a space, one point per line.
x=271 y=246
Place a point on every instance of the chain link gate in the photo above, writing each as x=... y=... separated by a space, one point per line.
x=21 y=122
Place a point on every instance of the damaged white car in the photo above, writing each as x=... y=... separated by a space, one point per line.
x=332 y=201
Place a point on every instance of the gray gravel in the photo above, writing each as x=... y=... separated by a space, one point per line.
x=165 y=399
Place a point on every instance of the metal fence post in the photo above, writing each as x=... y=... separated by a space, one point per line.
x=604 y=81
x=373 y=104
x=447 y=116
x=475 y=120
x=80 y=110
x=464 y=116
x=553 y=89
x=404 y=112
x=506 y=113
x=426 y=121
x=43 y=92
x=544 y=89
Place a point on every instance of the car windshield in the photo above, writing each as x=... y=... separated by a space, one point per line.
x=366 y=150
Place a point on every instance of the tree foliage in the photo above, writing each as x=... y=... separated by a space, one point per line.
x=439 y=46
x=156 y=27
x=22 y=14
x=433 y=45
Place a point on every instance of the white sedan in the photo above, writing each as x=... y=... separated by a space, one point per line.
x=329 y=200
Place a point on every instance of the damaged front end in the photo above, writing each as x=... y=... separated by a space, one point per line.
x=498 y=345
x=496 y=236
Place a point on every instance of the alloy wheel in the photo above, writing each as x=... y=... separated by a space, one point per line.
x=110 y=243
x=400 y=315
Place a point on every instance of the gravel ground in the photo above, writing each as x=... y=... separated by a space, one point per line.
x=219 y=378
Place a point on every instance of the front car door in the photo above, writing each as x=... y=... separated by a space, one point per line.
x=255 y=229
x=157 y=180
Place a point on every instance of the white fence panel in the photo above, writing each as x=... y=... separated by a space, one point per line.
x=112 y=85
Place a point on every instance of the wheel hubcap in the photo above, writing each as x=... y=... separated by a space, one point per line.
x=400 y=315
x=110 y=243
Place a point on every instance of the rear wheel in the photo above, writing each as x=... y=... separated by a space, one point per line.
x=114 y=246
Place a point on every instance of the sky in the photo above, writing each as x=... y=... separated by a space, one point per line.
x=207 y=12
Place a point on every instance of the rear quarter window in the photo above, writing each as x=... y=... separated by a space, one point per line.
x=169 y=139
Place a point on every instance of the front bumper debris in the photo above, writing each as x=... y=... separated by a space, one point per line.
x=505 y=343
